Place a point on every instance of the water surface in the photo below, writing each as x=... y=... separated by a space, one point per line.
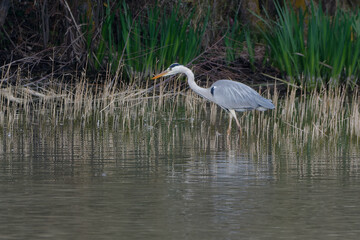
x=176 y=181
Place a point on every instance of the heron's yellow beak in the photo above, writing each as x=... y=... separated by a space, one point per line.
x=160 y=75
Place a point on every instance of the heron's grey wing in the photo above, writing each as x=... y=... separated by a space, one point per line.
x=240 y=97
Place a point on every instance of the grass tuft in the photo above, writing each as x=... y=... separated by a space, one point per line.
x=142 y=43
x=304 y=115
x=313 y=48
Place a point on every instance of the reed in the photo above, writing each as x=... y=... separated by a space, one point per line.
x=144 y=42
x=306 y=115
x=233 y=40
x=312 y=48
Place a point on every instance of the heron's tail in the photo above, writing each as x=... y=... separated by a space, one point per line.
x=264 y=104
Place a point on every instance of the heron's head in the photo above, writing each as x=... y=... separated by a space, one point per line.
x=172 y=69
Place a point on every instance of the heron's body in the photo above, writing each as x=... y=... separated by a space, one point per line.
x=240 y=97
x=230 y=95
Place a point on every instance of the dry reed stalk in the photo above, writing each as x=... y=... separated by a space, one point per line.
x=305 y=116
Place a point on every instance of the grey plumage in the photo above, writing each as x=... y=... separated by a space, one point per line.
x=240 y=97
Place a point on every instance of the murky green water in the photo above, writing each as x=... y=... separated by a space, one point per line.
x=174 y=181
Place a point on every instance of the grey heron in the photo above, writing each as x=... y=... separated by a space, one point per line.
x=230 y=95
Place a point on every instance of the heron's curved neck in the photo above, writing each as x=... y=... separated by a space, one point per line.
x=196 y=88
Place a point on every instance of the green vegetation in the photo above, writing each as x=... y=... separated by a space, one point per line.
x=307 y=46
x=145 y=43
x=312 y=48
x=233 y=40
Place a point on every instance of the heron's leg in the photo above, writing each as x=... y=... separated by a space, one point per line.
x=230 y=119
x=232 y=112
